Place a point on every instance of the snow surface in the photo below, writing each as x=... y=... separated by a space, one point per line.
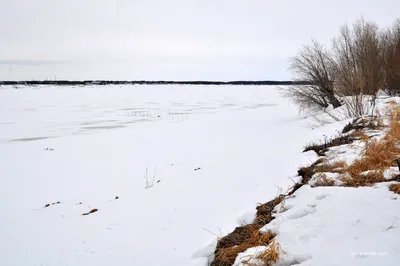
x=89 y=145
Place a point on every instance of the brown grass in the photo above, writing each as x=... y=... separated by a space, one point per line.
x=238 y=236
x=271 y=255
x=306 y=173
x=395 y=188
x=248 y=236
x=378 y=155
x=320 y=167
x=227 y=256
x=324 y=181
x=334 y=167
x=264 y=211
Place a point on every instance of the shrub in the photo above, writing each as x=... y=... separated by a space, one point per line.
x=312 y=64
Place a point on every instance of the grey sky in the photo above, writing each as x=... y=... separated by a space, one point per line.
x=175 y=39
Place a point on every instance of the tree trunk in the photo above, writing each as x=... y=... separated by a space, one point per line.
x=333 y=100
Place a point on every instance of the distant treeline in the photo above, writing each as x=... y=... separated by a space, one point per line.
x=145 y=82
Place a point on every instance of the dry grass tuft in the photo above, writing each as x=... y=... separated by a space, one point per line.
x=238 y=236
x=319 y=161
x=248 y=236
x=306 y=173
x=227 y=256
x=395 y=188
x=324 y=181
x=271 y=255
x=264 y=211
x=334 y=167
x=320 y=167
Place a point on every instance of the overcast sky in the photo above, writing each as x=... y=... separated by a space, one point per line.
x=169 y=39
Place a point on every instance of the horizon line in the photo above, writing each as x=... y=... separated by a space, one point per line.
x=153 y=82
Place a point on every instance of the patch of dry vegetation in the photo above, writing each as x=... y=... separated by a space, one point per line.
x=378 y=155
x=395 y=188
x=321 y=149
x=264 y=211
x=267 y=257
x=226 y=256
x=248 y=236
x=324 y=181
x=271 y=255
x=331 y=167
x=322 y=166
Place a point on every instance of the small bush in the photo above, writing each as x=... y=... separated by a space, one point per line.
x=312 y=64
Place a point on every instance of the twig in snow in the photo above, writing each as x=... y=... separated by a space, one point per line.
x=210 y=232
x=392 y=225
x=149 y=183
x=279 y=192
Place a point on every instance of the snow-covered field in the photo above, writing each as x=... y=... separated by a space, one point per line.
x=210 y=154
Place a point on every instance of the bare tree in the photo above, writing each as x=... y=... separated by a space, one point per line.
x=312 y=64
x=390 y=45
x=357 y=60
x=358 y=66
